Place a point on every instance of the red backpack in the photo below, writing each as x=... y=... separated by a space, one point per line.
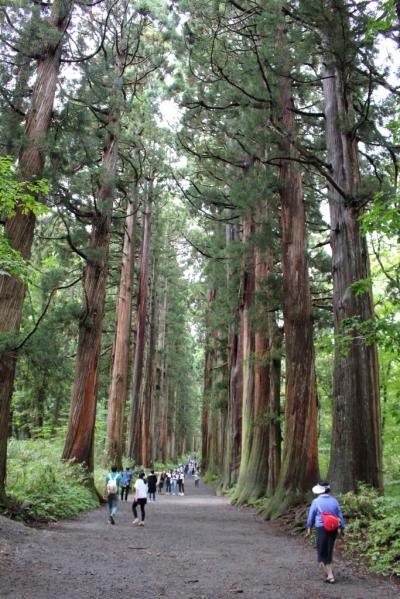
x=330 y=521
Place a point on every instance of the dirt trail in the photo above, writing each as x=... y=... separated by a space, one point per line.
x=196 y=546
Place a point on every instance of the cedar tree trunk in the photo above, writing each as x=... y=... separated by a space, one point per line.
x=205 y=416
x=20 y=228
x=163 y=378
x=300 y=454
x=356 y=453
x=118 y=394
x=248 y=341
x=80 y=434
x=147 y=436
x=140 y=331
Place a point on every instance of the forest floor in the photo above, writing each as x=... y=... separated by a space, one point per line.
x=196 y=546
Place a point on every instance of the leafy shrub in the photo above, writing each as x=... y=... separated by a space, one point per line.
x=212 y=479
x=360 y=507
x=49 y=488
x=374 y=529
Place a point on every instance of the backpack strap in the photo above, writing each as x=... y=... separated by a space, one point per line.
x=321 y=511
x=319 y=507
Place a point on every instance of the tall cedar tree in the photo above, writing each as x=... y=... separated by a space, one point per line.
x=118 y=393
x=79 y=441
x=20 y=228
x=137 y=416
x=300 y=453
x=356 y=453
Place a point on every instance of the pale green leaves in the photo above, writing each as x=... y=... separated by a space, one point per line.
x=16 y=194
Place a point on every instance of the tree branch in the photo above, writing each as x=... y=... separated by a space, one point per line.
x=43 y=314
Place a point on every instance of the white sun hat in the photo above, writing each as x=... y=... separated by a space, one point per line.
x=321 y=488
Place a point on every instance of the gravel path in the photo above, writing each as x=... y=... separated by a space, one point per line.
x=192 y=547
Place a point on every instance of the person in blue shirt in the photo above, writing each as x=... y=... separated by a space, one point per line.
x=324 y=502
x=125 y=483
x=113 y=480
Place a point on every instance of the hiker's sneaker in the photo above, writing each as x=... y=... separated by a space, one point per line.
x=141 y=524
x=136 y=521
x=112 y=521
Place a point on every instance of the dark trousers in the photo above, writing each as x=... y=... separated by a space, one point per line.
x=141 y=502
x=325 y=543
x=125 y=493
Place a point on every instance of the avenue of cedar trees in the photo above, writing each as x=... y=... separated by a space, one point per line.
x=199 y=238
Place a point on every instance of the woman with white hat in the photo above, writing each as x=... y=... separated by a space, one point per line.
x=325 y=514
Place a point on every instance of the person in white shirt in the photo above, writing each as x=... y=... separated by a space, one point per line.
x=140 y=498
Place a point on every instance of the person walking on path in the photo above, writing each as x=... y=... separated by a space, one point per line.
x=323 y=507
x=161 y=483
x=174 y=481
x=113 y=481
x=168 y=483
x=140 y=499
x=126 y=483
x=181 y=483
x=152 y=485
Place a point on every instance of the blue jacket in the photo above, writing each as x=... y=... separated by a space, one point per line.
x=324 y=503
x=126 y=478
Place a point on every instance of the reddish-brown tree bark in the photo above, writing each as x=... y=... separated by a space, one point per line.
x=162 y=376
x=206 y=412
x=135 y=425
x=300 y=453
x=148 y=415
x=274 y=435
x=236 y=398
x=254 y=478
x=20 y=228
x=80 y=433
x=172 y=432
x=118 y=393
x=233 y=428
x=261 y=451
x=356 y=453
x=248 y=341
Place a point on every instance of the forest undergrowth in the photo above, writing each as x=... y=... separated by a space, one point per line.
x=42 y=489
